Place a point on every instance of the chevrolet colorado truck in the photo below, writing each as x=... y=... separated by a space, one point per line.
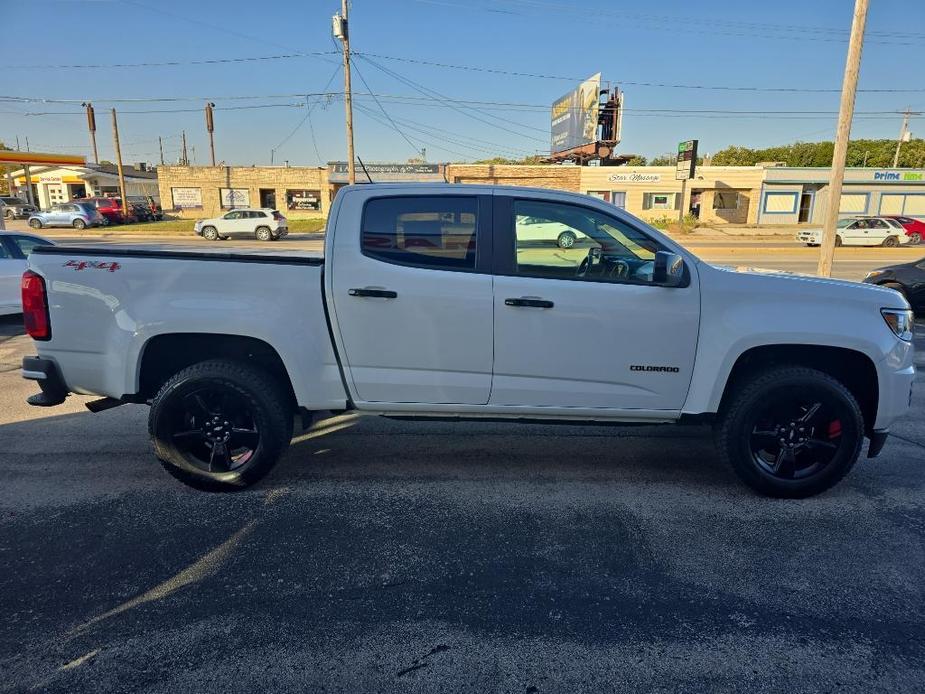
x=437 y=301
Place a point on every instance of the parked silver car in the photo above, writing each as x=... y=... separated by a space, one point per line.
x=15 y=208
x=79 y=215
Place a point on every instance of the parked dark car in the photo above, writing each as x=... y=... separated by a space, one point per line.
x=915 y=228
x=14 y=208
x=907 y=278
x=146 y=208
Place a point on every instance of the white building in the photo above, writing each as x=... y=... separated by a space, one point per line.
x=52 y=185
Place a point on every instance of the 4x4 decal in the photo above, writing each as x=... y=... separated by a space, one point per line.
x=79 y=265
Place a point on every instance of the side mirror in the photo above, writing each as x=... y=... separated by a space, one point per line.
x=668 y=270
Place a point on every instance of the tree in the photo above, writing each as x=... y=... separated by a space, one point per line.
x=533 y=159
x=874 y=153
x=636 y=160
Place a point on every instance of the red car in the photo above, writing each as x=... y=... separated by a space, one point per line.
x=915 y=228
x=110 y=208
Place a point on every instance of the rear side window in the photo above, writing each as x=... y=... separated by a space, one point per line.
x=427 y=231
x=27 y=243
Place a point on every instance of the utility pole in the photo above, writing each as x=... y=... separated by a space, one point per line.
x=904 y=136
x=342 y=32
x=184 y=159
x=160 y=146
x=842 y=134
x=210 y=126
x=115 y=140
x=91 y=126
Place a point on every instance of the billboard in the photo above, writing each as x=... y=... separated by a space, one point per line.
x=574 y=116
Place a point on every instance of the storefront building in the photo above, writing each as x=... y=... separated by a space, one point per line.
x=300 y=192
x=792 y=195
x=716 y=194
x=55 y=185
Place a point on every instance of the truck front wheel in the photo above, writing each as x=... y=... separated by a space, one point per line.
x=220 y=425
x=791 y=432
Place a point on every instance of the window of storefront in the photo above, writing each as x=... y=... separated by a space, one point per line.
x=660 y=201
x=912 y=204
x=853 y=203
x=303 y=200
x=726 y=200
x=781 y=203
x=614 y=197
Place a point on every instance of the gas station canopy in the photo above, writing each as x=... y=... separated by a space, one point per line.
x=40 y=158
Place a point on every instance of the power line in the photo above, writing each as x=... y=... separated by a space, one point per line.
x=384 y=112
x=174 y=63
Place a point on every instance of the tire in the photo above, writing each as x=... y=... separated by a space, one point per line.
x=36 y=223
x=891 y=242
x=253 y=427
x=749 y=422
x=915 y=238
x=8 y=214
x=79 y=224
x=838 y=241
x=210 y=233
x=566 y=239
x=263 y=234
x=812 y=245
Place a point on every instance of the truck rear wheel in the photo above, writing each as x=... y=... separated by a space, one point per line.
x=220 y=425
x=791 y=432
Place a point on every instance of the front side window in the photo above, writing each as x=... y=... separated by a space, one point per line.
x=428 y=231
x=233 y=215
x=562 y=241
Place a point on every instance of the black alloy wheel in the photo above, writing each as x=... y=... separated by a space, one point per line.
x=215 y=429
x=795 y=438
x=220 y=425
x=790 y=431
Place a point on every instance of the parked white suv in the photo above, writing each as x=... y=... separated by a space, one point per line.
x=860 y=231
x=263 y=224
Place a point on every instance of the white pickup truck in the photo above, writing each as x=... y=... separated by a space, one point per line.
x=428 y=303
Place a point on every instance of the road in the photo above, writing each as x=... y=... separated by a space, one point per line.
x=773 y=252
x=407 y=557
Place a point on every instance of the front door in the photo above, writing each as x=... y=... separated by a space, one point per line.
x=584 y=327
x=412 y=297
x=806 y=207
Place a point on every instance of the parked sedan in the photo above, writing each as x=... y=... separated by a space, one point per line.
x=14 y=208
x=78 y=215
x=915 y=228
x=860 y=231
x=262 y=224
x=15 y=247
x=906 y=278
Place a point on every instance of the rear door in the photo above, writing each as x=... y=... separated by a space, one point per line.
x=584 y=327
x=11 y=269
x=411 y=291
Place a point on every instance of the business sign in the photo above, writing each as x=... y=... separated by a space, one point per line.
x=634 y=177
x=235 y=197
x=687 y=160
x=899 y=176
x=186 y=198
x=575 y=116
x=48 y=179
x=340 y=167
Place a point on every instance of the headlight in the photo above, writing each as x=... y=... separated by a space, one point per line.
x=900 y=322
x=872 y=275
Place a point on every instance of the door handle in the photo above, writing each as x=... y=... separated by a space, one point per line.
x=529 y=303
x=374 y=293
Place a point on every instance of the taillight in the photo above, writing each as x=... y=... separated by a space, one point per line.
x=35 y=306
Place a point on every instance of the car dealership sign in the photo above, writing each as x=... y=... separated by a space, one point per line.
x=634 y=177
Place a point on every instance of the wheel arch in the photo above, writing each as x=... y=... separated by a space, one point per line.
x=854 y=369
x=164 y=355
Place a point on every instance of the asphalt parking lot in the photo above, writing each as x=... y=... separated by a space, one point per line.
x=385 y=556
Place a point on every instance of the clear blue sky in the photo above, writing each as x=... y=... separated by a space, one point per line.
x=787 y=43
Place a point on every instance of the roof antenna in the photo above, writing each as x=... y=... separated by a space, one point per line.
x=364 y=169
